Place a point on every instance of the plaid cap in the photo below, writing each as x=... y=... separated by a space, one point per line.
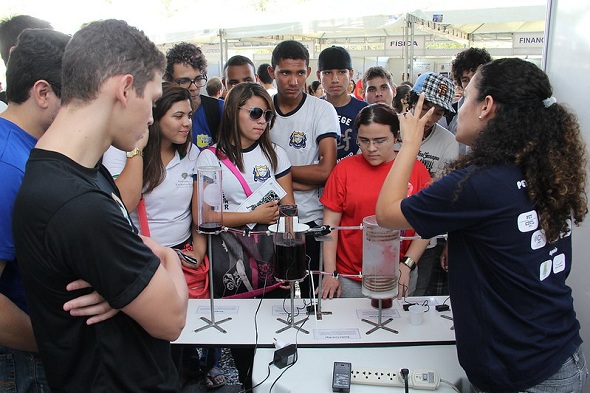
x=437 y=89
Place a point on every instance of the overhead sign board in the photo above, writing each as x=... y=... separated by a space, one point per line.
x=396 y=45
x=528 y=40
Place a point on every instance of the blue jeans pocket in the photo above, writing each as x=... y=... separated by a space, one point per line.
x=7 y=373
x=21 y=372
x=570 y=378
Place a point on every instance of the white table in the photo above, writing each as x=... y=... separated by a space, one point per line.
x=342 y=327
x=313 y=370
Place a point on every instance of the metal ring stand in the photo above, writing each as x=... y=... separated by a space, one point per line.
x=290 y=317
x=211 y=322
x=290 y=321
x=379 y=324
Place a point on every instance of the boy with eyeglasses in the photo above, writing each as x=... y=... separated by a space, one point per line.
x=187 y=67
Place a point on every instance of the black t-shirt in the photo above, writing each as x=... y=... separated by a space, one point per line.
x=514 y=317
x=69 y=223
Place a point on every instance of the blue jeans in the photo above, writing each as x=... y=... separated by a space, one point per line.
x=21 y=372
x=570 y=378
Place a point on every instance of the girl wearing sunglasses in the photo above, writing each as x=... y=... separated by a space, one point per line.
x=244 y=139
x=244 y=143
x=248 y=159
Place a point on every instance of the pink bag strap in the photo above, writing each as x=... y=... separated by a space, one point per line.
x=234 y=170
x=144 y=227
x=254 y=293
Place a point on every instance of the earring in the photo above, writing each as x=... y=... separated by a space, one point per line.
x=479 y=117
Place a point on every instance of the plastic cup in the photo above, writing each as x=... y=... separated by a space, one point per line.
x=416 y=314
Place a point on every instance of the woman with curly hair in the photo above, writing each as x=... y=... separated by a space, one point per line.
x=508 y=207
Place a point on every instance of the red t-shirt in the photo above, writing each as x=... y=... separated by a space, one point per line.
x=352 y=189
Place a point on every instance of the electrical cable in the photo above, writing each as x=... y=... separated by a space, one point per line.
x=261 y=382
x=451 y=385
x=256 y=339
x=284 y=371
x=404 y=372
x=296 y=356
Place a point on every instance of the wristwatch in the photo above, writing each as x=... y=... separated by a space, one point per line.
x=335 y=274
x=409 y=262
x=134 y=152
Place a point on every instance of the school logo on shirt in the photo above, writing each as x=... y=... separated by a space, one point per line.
x=203 y=141
x=298 y=140
x=261 y=173
x=185 y=181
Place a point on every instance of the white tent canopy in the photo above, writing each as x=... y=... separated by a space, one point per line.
x=473 y=23
x=370 y=36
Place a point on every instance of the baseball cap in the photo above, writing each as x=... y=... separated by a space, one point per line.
x=334 y=58
x=437 y=89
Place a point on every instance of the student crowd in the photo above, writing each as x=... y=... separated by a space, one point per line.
x=99 y=149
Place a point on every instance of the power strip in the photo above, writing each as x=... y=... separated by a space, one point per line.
x=417 y=379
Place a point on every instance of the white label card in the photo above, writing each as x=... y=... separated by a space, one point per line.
x=221 y=310
x=336 y=334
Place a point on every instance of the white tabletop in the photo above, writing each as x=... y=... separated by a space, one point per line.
x=313 y=370
x=343 y=327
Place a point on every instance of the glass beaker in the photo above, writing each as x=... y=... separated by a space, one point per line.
x=289 y=260
x=210 y=204
x=380 y=260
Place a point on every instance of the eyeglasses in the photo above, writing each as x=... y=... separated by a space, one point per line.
x=256 y=113
x=199 y=81
x=377 y=141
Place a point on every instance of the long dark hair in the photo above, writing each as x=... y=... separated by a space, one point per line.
x=229 y=144
x=154 y=171
x=311 y=89
x=543 y=141
x=381 y=114
x=401 y=94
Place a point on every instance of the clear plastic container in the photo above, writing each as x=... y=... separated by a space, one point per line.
x=210 y=206
x=380 y=260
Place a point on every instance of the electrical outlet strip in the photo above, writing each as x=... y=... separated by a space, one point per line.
x=417 y=379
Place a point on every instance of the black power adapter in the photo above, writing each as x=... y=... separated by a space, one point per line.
x=442 y=307
x=341 y=377
x=285 y=356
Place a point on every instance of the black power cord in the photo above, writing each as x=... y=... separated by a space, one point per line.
x=404 y=373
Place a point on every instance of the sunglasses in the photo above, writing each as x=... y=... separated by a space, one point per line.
x=256 y=113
